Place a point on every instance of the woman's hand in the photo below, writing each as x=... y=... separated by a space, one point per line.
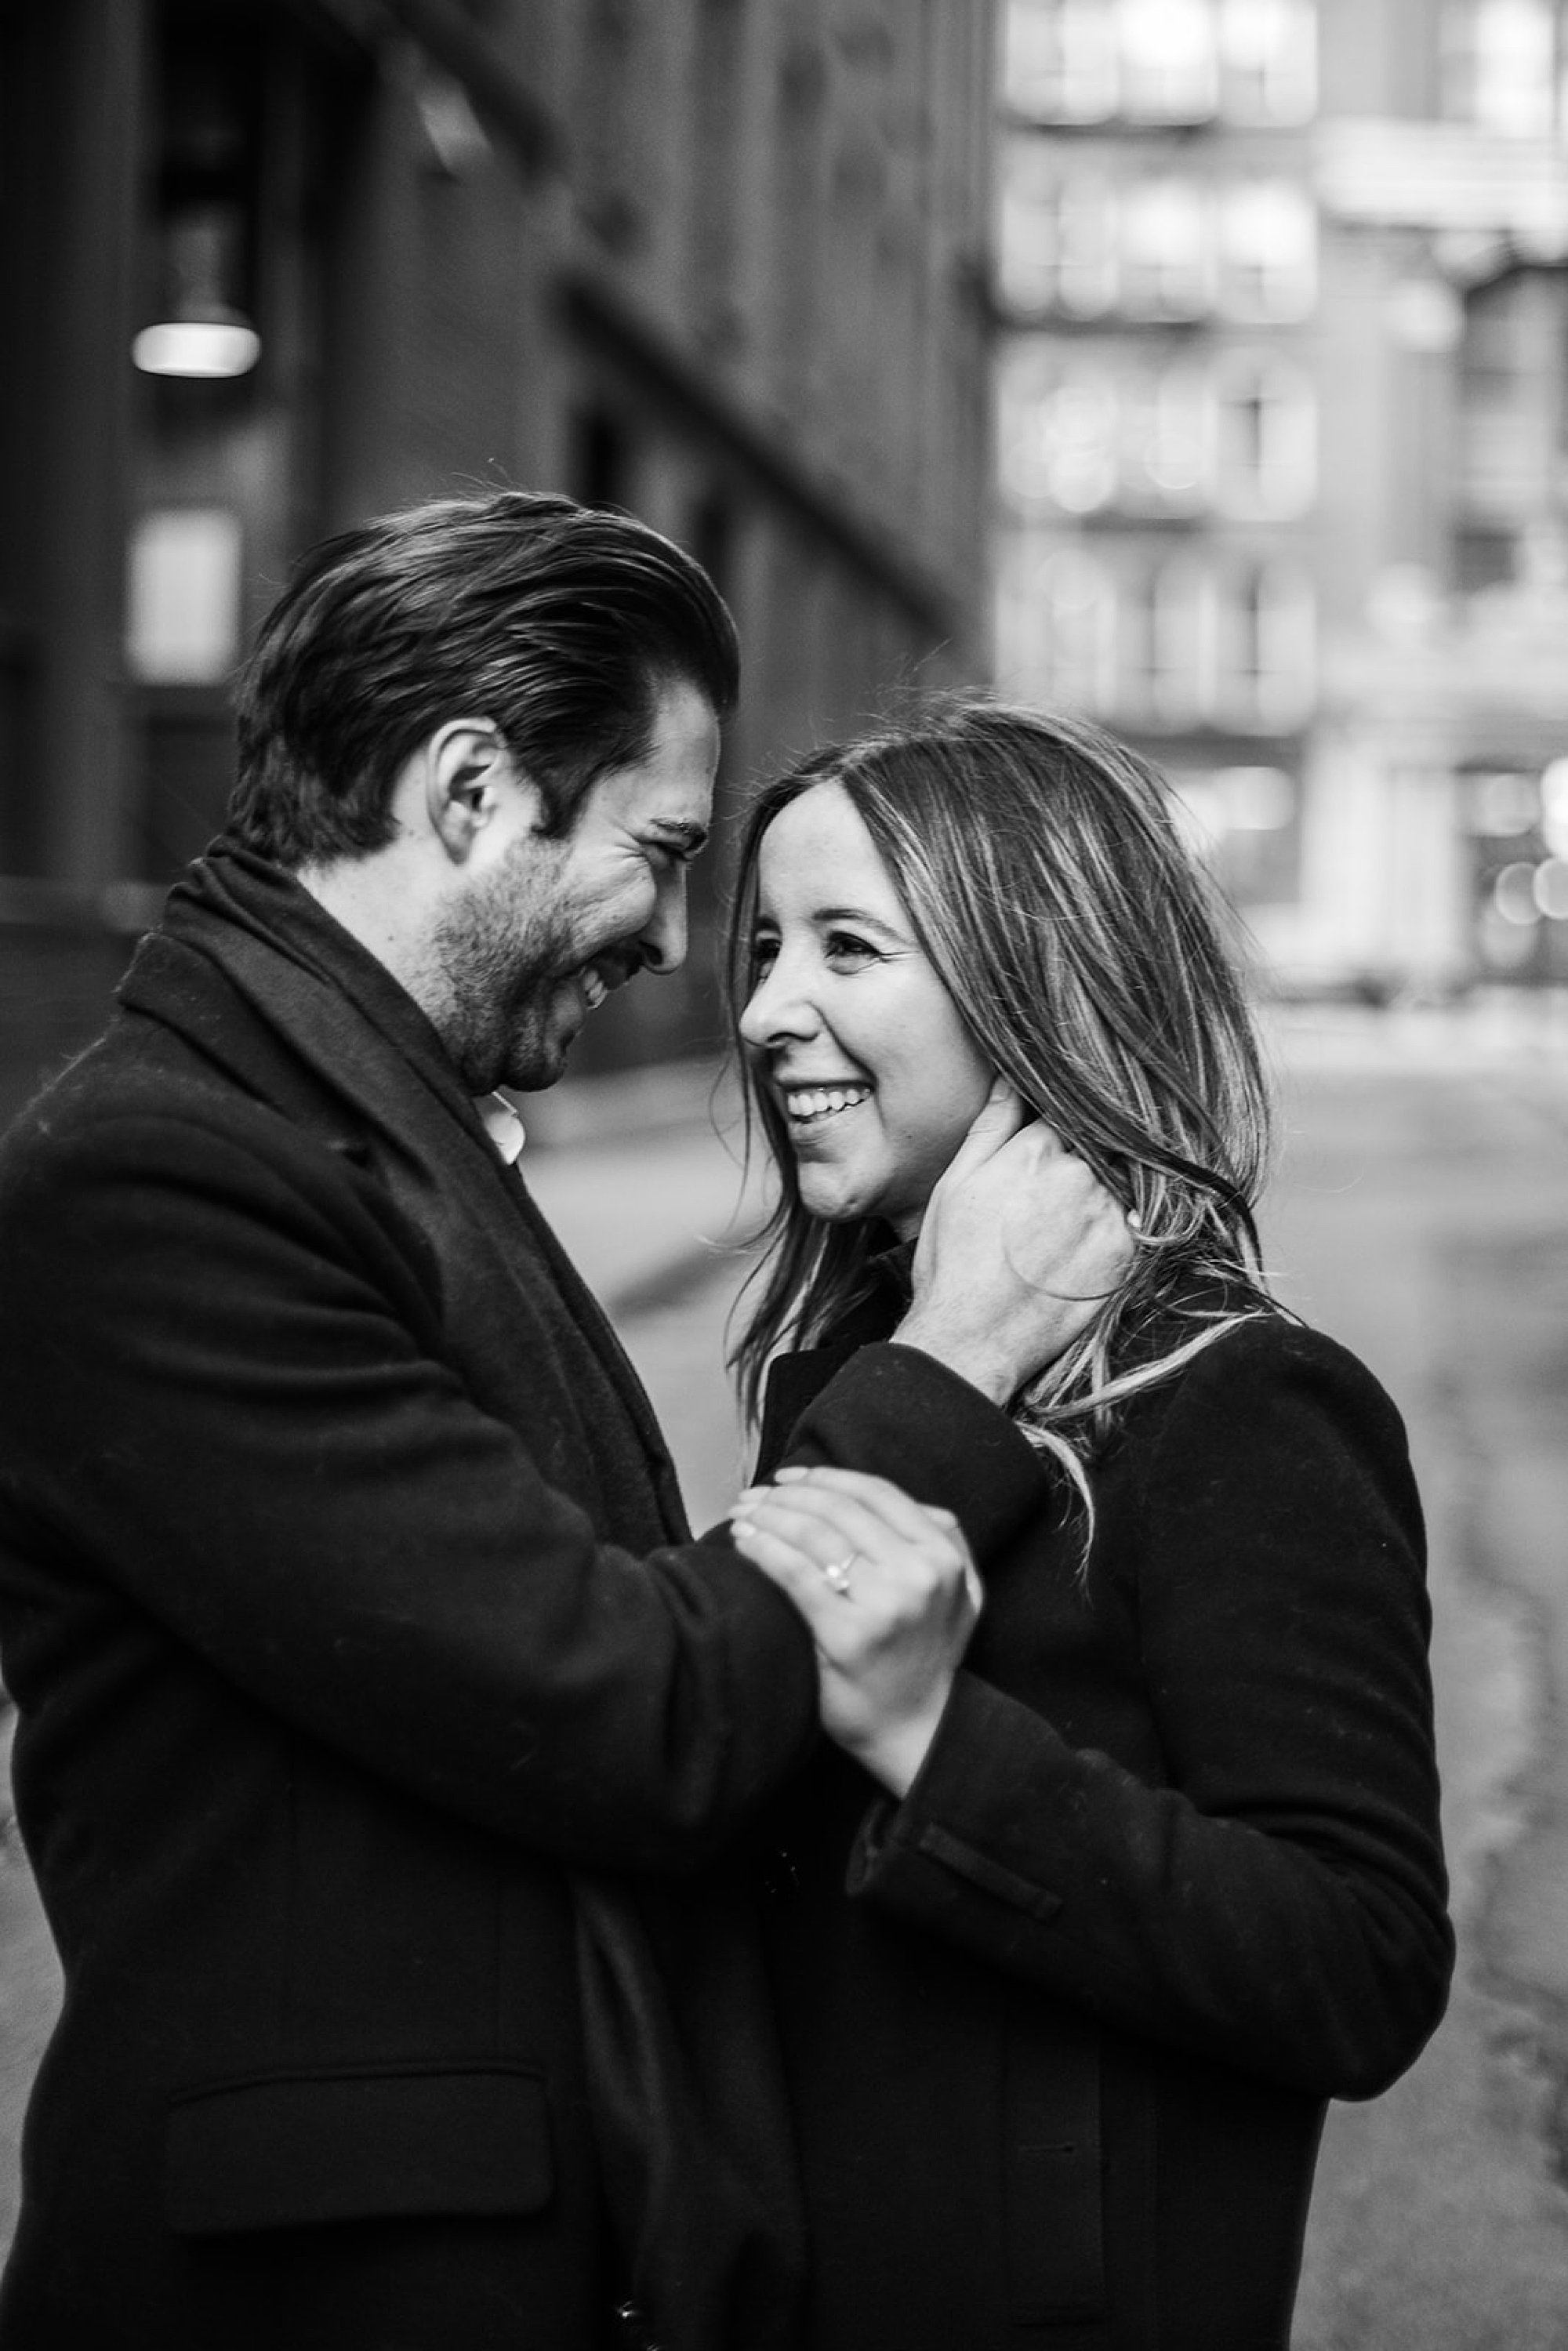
x=890 y=1593
x=1019 y=1247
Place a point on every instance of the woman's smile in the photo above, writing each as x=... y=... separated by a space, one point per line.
x=811 y=1108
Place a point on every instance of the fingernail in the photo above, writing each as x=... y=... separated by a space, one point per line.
x=794 y=1471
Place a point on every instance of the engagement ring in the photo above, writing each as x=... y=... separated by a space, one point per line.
x=838 y=1576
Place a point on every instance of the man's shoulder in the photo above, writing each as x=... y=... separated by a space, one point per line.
x=142 y=1166
x=134 y=1069
x=141 y=1105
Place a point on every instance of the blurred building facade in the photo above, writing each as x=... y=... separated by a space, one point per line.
x=1283 y=450
x=720 y=262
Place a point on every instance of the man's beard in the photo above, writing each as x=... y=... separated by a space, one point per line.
x=499 y=958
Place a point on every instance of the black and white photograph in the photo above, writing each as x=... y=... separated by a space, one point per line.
x=784 y=1175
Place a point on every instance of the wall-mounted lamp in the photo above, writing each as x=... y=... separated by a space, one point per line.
x=201 y=330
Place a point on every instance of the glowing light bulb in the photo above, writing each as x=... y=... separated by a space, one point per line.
x=196 y=347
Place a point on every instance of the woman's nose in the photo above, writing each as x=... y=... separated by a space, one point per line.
x=777 y=1007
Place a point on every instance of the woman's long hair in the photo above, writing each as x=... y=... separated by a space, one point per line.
x=1044 y=877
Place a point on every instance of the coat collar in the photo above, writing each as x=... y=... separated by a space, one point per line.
x=333 y=1040
x=305 y=976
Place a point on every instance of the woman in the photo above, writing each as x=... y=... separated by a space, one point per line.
x=1092 y=1903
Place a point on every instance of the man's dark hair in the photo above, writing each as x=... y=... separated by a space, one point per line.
x=561 y=623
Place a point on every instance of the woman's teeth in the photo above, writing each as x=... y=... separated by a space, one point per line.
x=594 y=987
x=805 y=1103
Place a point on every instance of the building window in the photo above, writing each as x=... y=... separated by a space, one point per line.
x=183 y=596
x=1057 y=431
x=1076 y=435
x=1177 y=647
x=1059 y=60
x=1506 y=434
x=1268 y=251
x=1264 y=419
x=1506 y=65
x=1166 y=250
x=1181 y=642
x=1166 y=676
x=1057 y=624
x=1266 y=648
x=1166 y=53
x=1513 y=394
x=1160 y=60
x=1164 y=458
x=1057 y=237
x=1269 y=60
x=1077 y=605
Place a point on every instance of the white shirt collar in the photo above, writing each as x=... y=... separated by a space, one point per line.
x=503 y=1125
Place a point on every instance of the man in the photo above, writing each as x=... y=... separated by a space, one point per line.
x=370 y=1684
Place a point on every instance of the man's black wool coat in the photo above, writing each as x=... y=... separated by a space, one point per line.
x=349 y=1610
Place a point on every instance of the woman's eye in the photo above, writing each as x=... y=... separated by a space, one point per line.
x=843 y=946
x=764 y=956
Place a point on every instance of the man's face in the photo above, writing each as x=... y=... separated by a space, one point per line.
x=542 y=930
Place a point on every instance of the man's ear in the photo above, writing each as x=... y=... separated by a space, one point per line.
x=469 y=781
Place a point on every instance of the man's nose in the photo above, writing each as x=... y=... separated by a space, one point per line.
x=664 y=936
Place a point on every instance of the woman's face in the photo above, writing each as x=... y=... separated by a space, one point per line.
x=857 y=1040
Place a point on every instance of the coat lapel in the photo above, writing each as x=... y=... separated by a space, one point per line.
x=334 y=1042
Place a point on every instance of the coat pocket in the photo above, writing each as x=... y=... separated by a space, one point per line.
x=288 y=2150
x=1054 y=2213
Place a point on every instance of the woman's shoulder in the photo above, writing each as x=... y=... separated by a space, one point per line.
x=1231 y=1325
x=1255 y=1335
x=1263 y=1408
x=1271 y=1459
x=1221 y=1358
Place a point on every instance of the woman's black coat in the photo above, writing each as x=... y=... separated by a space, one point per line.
x=1061 y=2025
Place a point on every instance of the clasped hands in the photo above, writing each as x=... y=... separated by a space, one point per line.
x=1018 y=1250
x=890 y=1594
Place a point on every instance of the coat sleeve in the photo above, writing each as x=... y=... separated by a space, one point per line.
x=1280 y=1905
x=899 y=1413
x=225 y=1403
